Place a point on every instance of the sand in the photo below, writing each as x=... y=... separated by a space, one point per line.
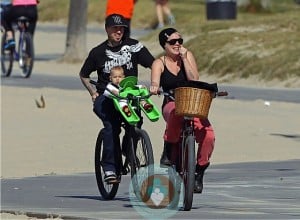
x=60 y=138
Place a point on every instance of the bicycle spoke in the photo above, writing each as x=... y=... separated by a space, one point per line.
x=26 y=54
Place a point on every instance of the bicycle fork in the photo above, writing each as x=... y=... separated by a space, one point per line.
x=20 y=52
x=188 y=130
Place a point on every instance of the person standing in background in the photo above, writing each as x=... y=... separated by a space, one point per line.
x=122 y=7
x=162 y=8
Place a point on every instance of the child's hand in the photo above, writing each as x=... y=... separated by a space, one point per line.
x=115 y=92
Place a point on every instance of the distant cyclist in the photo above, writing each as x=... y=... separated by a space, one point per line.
x=27 y=8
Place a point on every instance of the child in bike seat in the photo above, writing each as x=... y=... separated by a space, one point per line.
x=113 y=88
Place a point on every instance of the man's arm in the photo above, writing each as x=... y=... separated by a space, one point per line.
x=91 y=89
x=145 y=57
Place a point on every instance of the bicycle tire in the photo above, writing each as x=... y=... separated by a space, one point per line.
x=26 y=54
x=107 y=191
x=141 y=155
x=176 y=181
x=7 y=58
x=188 y=172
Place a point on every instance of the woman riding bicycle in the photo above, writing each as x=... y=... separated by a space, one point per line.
x=176 y=66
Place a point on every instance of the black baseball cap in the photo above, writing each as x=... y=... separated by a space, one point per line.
x=115 y=20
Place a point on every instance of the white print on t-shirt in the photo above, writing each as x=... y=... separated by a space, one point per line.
x=121 y=57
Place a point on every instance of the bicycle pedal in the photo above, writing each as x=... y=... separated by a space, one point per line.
x=111 y=182
x=125 y=170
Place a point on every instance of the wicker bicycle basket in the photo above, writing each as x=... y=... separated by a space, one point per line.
x=193 y=102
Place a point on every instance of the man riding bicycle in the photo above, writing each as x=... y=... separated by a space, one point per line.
x=117 y=50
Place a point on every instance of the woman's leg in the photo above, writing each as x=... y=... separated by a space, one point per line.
x=173 y=123
x=205 y=138
x=167 y=11
x=159 y=14
x=172 y=132
x=6 y=22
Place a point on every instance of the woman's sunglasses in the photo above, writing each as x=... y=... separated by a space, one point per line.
x=173 y=41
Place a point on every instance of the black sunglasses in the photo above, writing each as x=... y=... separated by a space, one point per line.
x=173 y=41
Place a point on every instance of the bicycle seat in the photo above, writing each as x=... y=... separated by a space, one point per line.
x=22 y=18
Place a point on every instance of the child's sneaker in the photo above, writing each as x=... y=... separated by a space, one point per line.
x=126 y=110
x=148 y=107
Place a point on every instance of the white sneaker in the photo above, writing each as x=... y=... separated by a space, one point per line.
x=110 y=176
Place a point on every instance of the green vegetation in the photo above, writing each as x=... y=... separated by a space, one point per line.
x=264 y=43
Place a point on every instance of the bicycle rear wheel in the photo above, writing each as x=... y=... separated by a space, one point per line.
x=26 y=54
x=7 y=58
x=141 y=157
x=107 y=191
x=188 y=172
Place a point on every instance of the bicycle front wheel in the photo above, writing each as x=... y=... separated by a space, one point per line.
x=107 y=191
x=7 y=58
x=141 y=157
x=188 y=176
x=26 y=54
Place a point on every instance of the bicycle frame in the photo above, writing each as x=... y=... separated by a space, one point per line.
x=21 y=25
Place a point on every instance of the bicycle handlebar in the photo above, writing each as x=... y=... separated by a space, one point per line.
x=222 y=93
x=171 y=94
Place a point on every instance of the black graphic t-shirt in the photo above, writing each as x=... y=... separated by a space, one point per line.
x=128 y=55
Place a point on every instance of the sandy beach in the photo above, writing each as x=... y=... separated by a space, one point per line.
x=60 y=138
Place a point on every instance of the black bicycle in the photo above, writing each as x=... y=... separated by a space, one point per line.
x=23 y=51
x=136 y=153
x=183 y=157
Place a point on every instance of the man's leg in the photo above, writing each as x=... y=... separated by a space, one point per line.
x=105 y=110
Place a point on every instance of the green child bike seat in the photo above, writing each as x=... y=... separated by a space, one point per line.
x=129 y=87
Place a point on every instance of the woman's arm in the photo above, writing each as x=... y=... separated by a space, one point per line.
x=156 y=70
x=190 y=65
